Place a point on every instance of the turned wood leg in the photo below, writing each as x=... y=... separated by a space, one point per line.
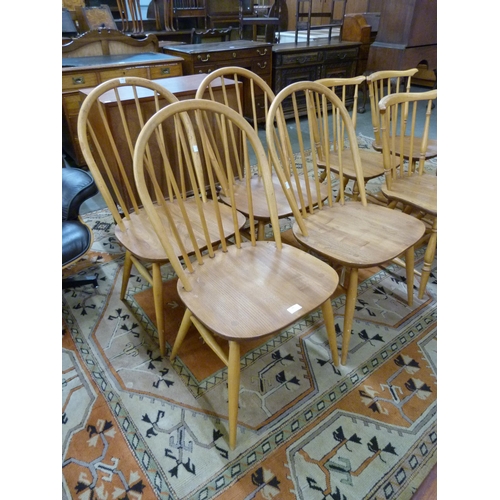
x=410 y=272
x=430 y=251
x=233 y=390
x=327 y=310
x=158 y=301
x=261 y=234
x=352 y=293
x=355 y=192
x=127 y=268
x=181 y=333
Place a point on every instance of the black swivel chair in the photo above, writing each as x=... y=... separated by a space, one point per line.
x=77 y=187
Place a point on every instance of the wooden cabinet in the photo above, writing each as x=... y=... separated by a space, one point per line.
x=318 y=59
x=207 y=57
x=85 y=72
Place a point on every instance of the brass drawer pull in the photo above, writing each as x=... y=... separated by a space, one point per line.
x=234 y=55
x=204 y=60
x=78 y=80
x=165 y=71
x=262 y=65
x=262 y=53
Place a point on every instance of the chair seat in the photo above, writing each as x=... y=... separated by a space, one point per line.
x=141 y=240
x=261 y=291
x=430 y=153
x=360 y=236
x=371 y=161
x=260 y=208
x=419 y=191
x=76 y=240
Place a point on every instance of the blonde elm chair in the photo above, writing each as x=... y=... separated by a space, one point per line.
x=242 y=289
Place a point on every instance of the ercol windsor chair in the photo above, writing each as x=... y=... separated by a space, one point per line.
x=411 y=186
x=107 y=139
x=352 y=234
x=252 y=87
x=371 y=161
x=240 y=290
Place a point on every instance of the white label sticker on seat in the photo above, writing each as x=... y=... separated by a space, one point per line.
x=294 y=308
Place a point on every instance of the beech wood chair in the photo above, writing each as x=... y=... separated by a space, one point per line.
x=107 y=137
x=241 y=290
x=411 y=186
x=350 y=234
x=371 y=161
x=256 y=91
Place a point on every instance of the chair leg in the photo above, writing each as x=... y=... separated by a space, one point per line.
x=352 y=293
x=127 y=268
x=261 y=233
x=233 y=389
x=158 y=301
x=410 y=272
x=181 y=334
x=327 y=310
x=430 y=252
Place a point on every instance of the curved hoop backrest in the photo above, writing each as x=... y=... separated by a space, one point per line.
x=109 y=122
x=317 y=100
x=182 y=116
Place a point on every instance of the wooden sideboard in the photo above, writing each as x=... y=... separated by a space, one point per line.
x=294 y=62
x=207 y=57
x=84 y=72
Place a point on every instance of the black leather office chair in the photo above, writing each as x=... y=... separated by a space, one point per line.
x=77 y=187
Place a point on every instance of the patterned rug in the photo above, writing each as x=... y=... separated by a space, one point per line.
x=136 y=426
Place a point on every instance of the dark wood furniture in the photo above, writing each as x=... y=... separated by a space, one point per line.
x=98 y=56
x=317 y=59
x=407 y=36
x=309 y=10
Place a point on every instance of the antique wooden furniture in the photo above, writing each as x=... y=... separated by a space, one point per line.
x=238 y=291
x=250 y=15
x=94 y=18
x=77 y=237
x=308 y=10
x=407 y=36
x=353 y=234
x=108 y=140
x=260 y=97
x=211 y=34
x=371 y=161
x=294 y=62
x=411 y=186
x=190 y=9
x=98 y=56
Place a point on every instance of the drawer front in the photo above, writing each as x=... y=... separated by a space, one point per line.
x=262 y=67
x=79 y=80
x=300 y=58
x=333 y=56
x=165 y=70
x=116 y=73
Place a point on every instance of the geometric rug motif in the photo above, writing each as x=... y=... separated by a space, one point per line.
x=137 y=426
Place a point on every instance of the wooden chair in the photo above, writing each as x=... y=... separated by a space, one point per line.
x=334 y=15
x=352 y=234
x=241 y=290
x=211 y=34
x=107 y=139
x=254 y=97
x=411 y=186
x=371 y=161
x=249 y=16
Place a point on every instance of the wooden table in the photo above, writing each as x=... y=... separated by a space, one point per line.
x=84 y=72
x=183 y=87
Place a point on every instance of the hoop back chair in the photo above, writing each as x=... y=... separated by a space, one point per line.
x=107 y=137
x=257 y=94
x=240 y=290
x=347 y=90
x=352 y=234
x=411 y=186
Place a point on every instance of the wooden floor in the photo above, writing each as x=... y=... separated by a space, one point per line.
x=428 y=489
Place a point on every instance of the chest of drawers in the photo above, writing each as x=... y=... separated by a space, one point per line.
x=86 y=72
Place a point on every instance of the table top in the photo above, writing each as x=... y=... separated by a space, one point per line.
x=313 y=44
x=196 y=48
x=68 y=63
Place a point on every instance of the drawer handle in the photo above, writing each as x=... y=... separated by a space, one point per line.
x=262 y=53
x=204 y=60
x=78 y=80
x=234 y=55
x=165 y=71
x=262 y=65
x=343 y=56
x=300 y=60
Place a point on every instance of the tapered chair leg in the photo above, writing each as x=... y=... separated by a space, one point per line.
x=329 y=319
x=181 y=334
x=158 y=301
x=430 y=252
x=127 y=268
x=410 y=272
x=352 y=293
x=233 y=389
